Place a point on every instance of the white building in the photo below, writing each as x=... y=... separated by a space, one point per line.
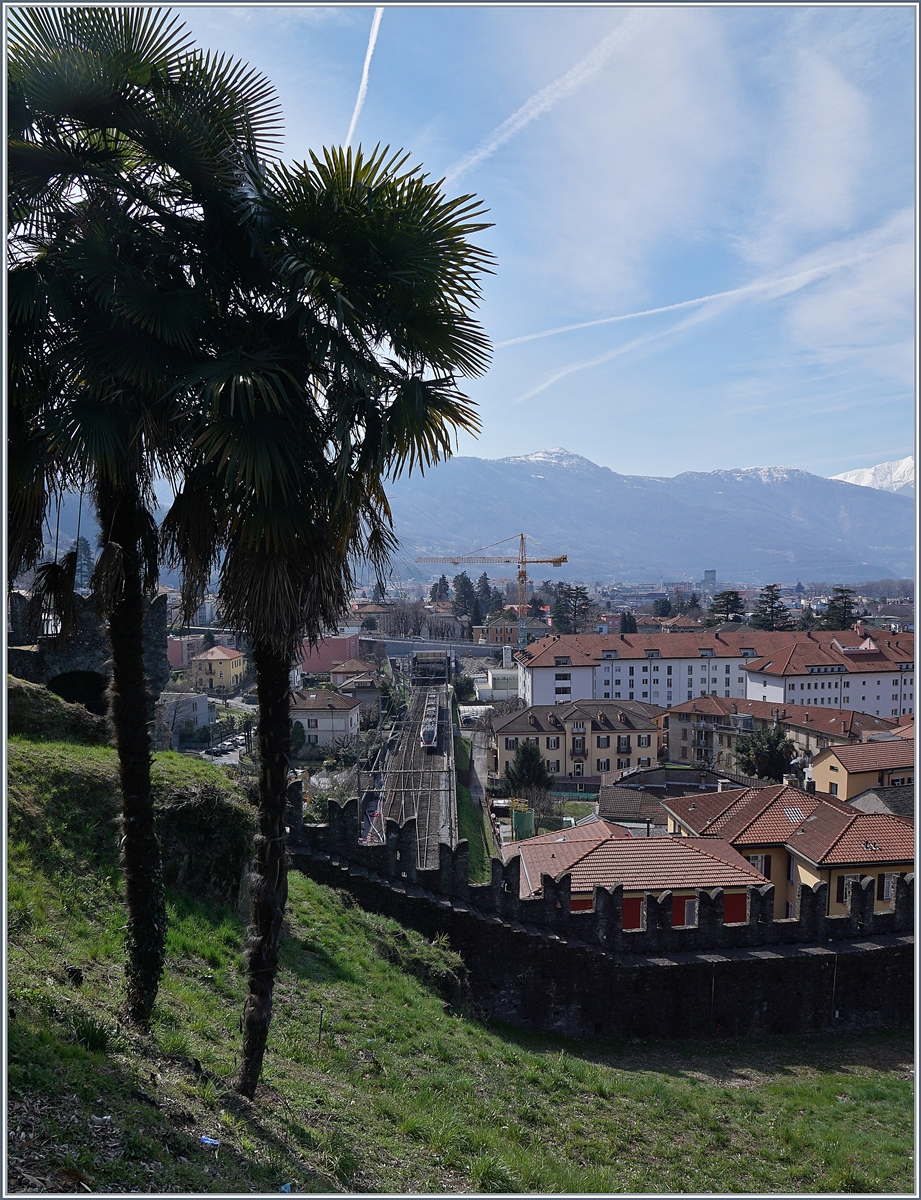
x=180 y=714
x=326 y=716
x=666 y=669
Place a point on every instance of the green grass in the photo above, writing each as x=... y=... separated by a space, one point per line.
x=377 y=1077
x=470 y=826
x=462 y=750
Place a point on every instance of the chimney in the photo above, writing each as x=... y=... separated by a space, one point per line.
x=810 y=785
x=506 y=657
x=721 y=785
x=734 y=708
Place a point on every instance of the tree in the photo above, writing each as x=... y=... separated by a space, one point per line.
x=440 y=590
x=112 y=203
x=527 y=772
x=496 y=601
x=766 y=753
x=476 y=614
x=85 y=564
x=840 y=613
x=464 y=593
x=807 y=618
x=771 y=613
x=464 y=688
x=662 y=608
x=727 y=606
x=627 y=622
x=298 y=737
x=349 y=351
x=369 y=623
x=377 y=593
x=207 y=641
x=535 y=607
x=484 y=593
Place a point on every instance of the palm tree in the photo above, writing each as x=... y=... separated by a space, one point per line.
x=344 y=372
x=127 y=154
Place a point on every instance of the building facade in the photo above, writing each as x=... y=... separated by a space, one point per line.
x=846 y=771
x=581 y=741
x=221 y=668
x=327 y=718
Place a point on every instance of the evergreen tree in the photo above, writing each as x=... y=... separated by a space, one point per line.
x=528 y=773
x=807 y=618
x=476 y=613
x=627 y=623
x=484 y=593
x=85 y=563
x=496 y=601
x=561 y=614
x=572 y=608
x=771 y=613
x=727 y=606
x=440 y=590
x=464 y=594
x=377 y=593
x=767 y=753
x=662 y=608
x=841 y=609
x=694 y=603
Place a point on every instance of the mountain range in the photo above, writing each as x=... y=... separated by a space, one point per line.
x=755 y=524
x=752 y=525
x=898 y=476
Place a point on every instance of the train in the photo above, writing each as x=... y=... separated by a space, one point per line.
x=429 y=735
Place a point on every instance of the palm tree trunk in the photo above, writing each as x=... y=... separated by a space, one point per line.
x=146 y=930
x=270 y=871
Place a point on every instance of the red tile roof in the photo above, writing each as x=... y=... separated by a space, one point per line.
x=217 y=652
x=832 y=838
x=752 y=817
x=872 y=756
x=774 y=652
x=844 y=723
x=654 y=864
x=553 y=853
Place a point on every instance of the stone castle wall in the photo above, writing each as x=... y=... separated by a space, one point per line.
x=534 y=963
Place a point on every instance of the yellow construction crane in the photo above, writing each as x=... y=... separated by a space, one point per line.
x=521 y=559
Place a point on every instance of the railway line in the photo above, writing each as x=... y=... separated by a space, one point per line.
x=419 y=779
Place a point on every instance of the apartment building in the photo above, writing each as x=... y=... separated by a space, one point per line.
x=579 y=741
x=846 y=669
x=872 y=674
x=707 y=729
x=792 y=837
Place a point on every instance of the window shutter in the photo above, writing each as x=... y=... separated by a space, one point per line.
x=881 y=887
x=839 y=895
x=767 y=867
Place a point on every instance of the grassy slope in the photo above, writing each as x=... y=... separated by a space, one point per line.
x=373 y=1081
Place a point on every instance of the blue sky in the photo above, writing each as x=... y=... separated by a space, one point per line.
x=635 y=159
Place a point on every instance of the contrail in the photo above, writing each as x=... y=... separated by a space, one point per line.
x=783 y=285
x=762 y=285
x=545 y=99
x=363 y=86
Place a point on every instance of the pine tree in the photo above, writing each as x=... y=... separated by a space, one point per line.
x=662 y=608
x=440 y=590
x=464 y=594
x=727 y=606
x=771 y=613
x=766 y=753
x=484 y=593
x=627 y=623
x=85 y=563
x=841 y=609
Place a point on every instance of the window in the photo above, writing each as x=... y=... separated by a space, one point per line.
x=578 y=745
x=843 y=889
x=643 y=762
x=791 y=869
x=563 y=661
x=533 y=740
x=623 y=764
x=553 y=766
x=690 y=670
x=602 y=764
x=643 y=739
x=668 y=670
x=762 y=863
x=312 y=723
x=578 y=726
x=645 y=670
x=563 y=675
x=603 y=742
x=553 y=743
x=623 y=742
x=833 y=789
x=511 y=743
x=789 y=911
x=578 y=769
x=313 y=739
x=631 y=670
x=562 y=691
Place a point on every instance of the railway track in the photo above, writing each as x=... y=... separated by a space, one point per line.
x=419 y=783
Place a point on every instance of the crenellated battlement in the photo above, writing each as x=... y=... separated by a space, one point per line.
x=394 y=865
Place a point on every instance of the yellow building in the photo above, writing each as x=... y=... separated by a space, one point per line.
x=792 y=837
x=846 y=771
x=221 y=667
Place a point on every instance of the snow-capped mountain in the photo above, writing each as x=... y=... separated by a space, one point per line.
x=898 y=476
x=749 y=523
